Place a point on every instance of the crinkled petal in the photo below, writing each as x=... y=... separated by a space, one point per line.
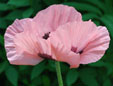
x=61 y=48
x=23 y=44
x=83 y=38
x=97 y=46
x=56 y=15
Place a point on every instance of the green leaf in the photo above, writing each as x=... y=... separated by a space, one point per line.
x=3 y=54
x=109 y=5
x=5 y=7
x=84 y=7
x=88 y=77
x=37 y=70
x=3 y=23
x=37 y=5
x=97 y=64
x=46 y=80
x=12 y=75
x=109 y=67
x=90 y=16
x=51 y=66
x=96 y=22
x=14 y=15
x=97 y=3
x=19 y=3
x=1 y=40
x=107 y=20
x=3 y=66
x=107 y=82
x=50 y=2
x=71 y=77
x=28 y=13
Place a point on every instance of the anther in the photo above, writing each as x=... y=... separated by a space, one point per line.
x=46 y=36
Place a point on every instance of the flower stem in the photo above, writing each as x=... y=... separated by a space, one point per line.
x=59 y=76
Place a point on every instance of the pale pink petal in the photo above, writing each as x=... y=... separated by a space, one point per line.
x=23 y=44
x=96 y=47
x=56 y=15
x=82 y=38
x=61 y=48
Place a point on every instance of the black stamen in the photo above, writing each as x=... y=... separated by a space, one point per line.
x=46 y=36
x=81 y=52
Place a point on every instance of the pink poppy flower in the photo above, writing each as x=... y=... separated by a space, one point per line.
x=57 y=33
x=25 y=39
x=79 y=43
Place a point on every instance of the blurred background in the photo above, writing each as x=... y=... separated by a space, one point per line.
x=95 y=74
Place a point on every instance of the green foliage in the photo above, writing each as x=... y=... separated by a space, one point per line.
x=84 y=7
x=19 y=3
x=1 y=40
x=37 y=70
x=46 y=80
x=44 y=74
x=71 y=77
x=12 y=75
x=88 y=76
x=27 y=13
x=3 y=66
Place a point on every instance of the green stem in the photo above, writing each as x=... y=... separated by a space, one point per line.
x=59 y=76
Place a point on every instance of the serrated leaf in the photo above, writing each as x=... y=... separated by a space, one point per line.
x=12 y=75
x=71 y=77
x=19 y=3
x=37 y=70
x=87 y=76
x=84 y=7
x=27 y=13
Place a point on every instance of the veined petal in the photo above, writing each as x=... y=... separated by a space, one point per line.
x=97 y=46
x=22 y=43
x=61 y=48
x=81 y=38
x=54 y=16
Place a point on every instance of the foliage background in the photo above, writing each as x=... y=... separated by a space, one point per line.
x=96 y=74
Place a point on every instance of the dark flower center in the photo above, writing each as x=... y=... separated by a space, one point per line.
x=46 y=35
x=74 y=49
x=45 y=56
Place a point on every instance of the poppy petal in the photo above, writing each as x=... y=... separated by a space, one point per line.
x=61 y=47
x=56 y=15
x=96 y=48
x=23 y=44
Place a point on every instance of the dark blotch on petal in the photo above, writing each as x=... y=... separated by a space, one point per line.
x=46 y=36
x=45 y=56
x=81 y=52
x=74 y=49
